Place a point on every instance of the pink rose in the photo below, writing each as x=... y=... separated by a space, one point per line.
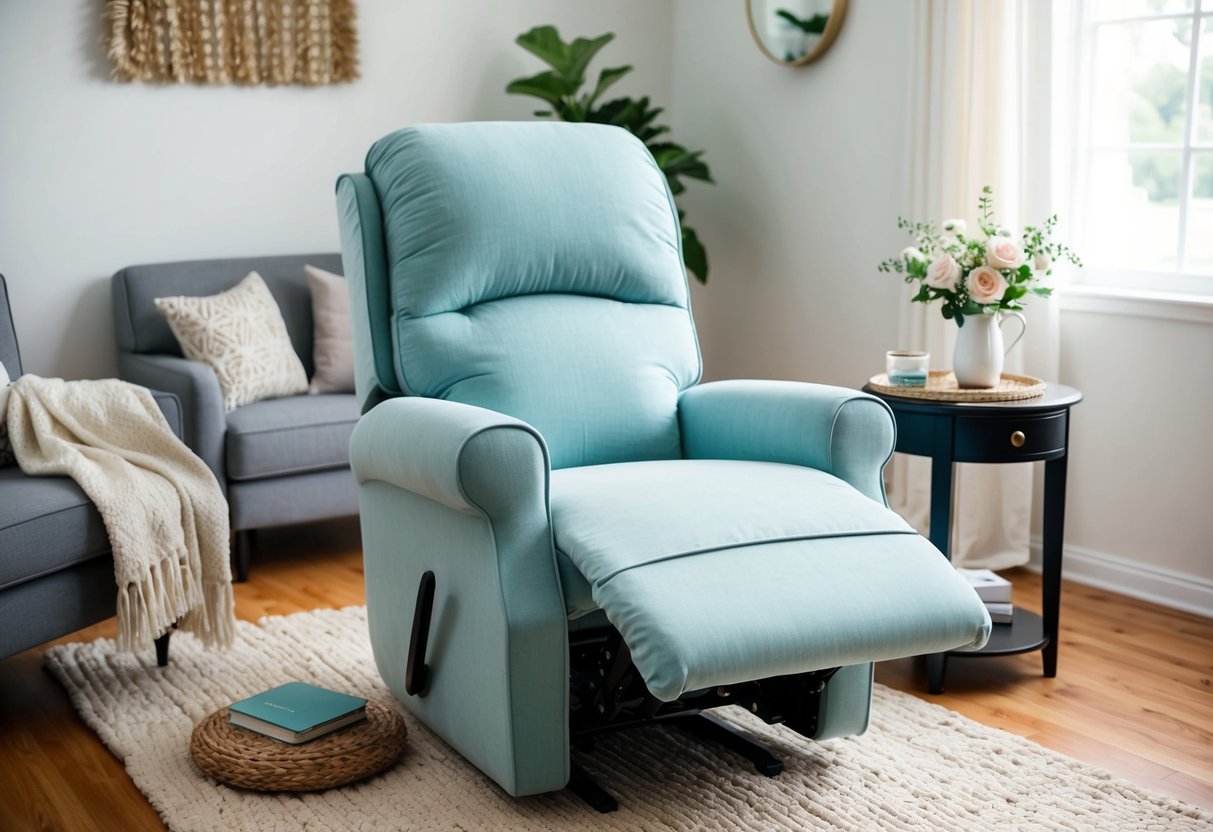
x=986 y=285
x=1002 y=253
x=943 y=273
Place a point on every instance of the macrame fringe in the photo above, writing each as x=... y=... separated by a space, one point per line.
x=245 y=42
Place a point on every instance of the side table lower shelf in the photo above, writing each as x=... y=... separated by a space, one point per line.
x=1024 y=634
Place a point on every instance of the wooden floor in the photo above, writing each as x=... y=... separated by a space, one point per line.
x=1134 y=692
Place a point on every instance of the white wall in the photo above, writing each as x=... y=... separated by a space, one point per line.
x=809 y=168
x=809 y=163
x=96 y=175
x=1141 y=463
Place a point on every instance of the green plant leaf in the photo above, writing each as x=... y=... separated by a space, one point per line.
x=676 y=160
x=546 y=85
x=605 y=79
x=694 y=255
x=569 y=60
x=632 y=114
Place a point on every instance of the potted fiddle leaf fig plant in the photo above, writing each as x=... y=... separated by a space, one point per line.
x=561 y=87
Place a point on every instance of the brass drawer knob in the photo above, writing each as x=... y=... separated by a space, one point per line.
x=1018 y=438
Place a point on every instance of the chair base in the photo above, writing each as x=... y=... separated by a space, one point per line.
x=701 y=725
x=583 y=786
x=607 y=694
x=714 y=730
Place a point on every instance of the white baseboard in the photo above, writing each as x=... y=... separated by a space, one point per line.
x=1133 y=578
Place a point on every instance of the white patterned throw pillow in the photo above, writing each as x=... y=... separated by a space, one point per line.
x=240 y=334
x=6 y=449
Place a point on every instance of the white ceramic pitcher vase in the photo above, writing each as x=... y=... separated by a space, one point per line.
x=978 y=357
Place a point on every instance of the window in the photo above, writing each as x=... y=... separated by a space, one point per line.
x=1145 y=195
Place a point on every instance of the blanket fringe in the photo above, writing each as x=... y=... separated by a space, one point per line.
x=147 y=609
x=214 y=622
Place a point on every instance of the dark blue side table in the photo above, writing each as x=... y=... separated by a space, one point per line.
x=996 y=432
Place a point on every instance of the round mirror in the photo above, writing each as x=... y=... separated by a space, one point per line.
x=795 y=32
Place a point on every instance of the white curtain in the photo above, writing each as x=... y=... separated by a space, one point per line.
x=982 y=104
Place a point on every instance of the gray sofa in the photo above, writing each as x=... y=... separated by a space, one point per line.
x=56 y=568
x=280 y=461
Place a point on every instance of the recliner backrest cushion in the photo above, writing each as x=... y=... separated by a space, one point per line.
x=536 y=269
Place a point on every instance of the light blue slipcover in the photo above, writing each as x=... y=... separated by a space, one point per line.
x=533 y=434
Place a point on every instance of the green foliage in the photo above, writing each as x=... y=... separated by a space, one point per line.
x=561 y=88
x=970 y=253
x=814 y=25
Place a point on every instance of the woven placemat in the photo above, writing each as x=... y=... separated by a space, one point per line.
x=244 y=758
x=942 y=386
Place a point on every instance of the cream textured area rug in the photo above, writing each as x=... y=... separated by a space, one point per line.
x=919 y=767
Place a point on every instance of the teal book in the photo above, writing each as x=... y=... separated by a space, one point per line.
x=297 y=712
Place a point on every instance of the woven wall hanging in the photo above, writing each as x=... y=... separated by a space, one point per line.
x=233 y=41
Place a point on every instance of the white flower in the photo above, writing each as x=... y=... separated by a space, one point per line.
x=944 y=273
x=954 y=226
x=986 y=285
x=1002 y=253
x=1041 y=261
x=912 y=255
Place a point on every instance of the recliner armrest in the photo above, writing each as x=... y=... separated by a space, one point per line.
x=834 y=429
x=464 y=457
x=204 y=422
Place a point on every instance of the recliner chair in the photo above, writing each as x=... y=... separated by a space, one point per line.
x=563 y=531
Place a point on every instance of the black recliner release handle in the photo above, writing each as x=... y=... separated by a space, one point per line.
x=416 y=674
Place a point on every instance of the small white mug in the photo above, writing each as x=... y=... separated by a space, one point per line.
x=907 y=368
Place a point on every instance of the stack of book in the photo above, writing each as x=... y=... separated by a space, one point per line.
x=994 y=591
x=297 y=712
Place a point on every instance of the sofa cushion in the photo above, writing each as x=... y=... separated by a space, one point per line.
x=831 y=577
x=46 y=525
x=141 y=329
x=281 y=437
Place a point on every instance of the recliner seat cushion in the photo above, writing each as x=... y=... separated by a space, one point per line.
x=35 y=511
x=293 y=435
x=722 y=571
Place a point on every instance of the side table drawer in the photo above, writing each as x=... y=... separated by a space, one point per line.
x=1010 y=439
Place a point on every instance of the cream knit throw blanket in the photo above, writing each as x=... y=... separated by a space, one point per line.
x=164 y=512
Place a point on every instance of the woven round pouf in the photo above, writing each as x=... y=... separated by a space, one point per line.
x=244 y=758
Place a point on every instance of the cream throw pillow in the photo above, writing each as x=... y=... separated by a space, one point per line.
x=240 y=334
x=333 y=349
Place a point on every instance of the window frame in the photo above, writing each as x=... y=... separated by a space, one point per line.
x=1180 y=280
